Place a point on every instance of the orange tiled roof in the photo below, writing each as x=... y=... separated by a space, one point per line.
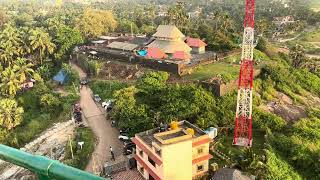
x=195 y=42
x=156 y=53
x=181 y=55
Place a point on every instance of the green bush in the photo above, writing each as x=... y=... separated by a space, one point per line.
x=35 y=118
x=260 y=56
x=277 y=168
x=105 y=89
x=50 y=102
x=300 y=152
x=262 y=44
x=290 y=81
x=307 y=80
x=263 y=121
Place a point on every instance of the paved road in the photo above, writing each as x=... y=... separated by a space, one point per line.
x=106 y=135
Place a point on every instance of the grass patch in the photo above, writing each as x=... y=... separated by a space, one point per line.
x=224 y=145
x=208 y=71
x=233 y=59
x=81 y=156
x=228 y=68
x=315 y=5
x=309 y=40
x=312 y=36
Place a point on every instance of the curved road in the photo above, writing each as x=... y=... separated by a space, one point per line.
x=106 y=135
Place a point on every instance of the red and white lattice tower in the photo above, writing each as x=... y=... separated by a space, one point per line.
x=243 y=122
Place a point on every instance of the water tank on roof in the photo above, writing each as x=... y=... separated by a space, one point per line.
x=174 y=125
x=212 y=132
x=190 y=131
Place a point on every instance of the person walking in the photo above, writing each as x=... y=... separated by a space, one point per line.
x=112 y=154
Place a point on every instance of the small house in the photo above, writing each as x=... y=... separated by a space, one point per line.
x=197 y=45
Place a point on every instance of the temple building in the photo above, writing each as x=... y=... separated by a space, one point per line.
x=169 y=39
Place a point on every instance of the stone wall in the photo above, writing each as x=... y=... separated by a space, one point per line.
x=219 y=88
x=123 y=56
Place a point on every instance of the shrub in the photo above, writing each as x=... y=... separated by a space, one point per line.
x=49 y=102
x=278 y=168
x=262 y=44
x=105 y=89
x=264 y=121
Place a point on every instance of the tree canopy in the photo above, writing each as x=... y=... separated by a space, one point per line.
x=94 y=23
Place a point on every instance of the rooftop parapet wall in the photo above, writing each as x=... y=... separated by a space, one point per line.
x=173 y=136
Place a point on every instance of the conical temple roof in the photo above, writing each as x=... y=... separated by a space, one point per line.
x=169 y=32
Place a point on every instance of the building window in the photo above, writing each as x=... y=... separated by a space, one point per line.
x=200 y=150
x=141 y=170
x=200 y=168
x=151 y=162
x=158 y=152
x=141 y=153
x=151 y=177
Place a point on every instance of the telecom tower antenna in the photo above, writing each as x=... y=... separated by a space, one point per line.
x=243 y=120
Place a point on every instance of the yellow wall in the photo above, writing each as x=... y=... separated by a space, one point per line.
x=205 y=150
x=177 y=161
x=195 y=154
x=205 y=164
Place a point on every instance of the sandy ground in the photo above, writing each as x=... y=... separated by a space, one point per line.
x=106 y=135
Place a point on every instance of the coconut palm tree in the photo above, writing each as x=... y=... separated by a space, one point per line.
x=10 y=113
x=40 y=42
x=24 y=69
x=11 y=45
x=10 y=82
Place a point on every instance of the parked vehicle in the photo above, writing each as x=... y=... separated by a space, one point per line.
x=129 y=148
x=77 y=114
x=84 y=81
x=108 y=105
x=97 y=98
x=76 y=107
x=123 y=132
x=113 y=123
x=124 y=137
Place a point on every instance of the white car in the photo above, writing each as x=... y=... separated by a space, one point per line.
x=123 y=138
x=107 y=105
x=104 y=104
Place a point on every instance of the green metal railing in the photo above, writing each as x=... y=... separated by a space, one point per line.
x=44 y=167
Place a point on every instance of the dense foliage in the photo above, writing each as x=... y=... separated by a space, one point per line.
x=33 y=47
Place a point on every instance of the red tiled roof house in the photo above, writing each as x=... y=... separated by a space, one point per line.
x=197 y=45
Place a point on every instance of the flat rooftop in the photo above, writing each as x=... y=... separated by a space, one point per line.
x=151 y=135
x=173 y=135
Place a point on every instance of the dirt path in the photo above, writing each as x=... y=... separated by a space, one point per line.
x=106 y=135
